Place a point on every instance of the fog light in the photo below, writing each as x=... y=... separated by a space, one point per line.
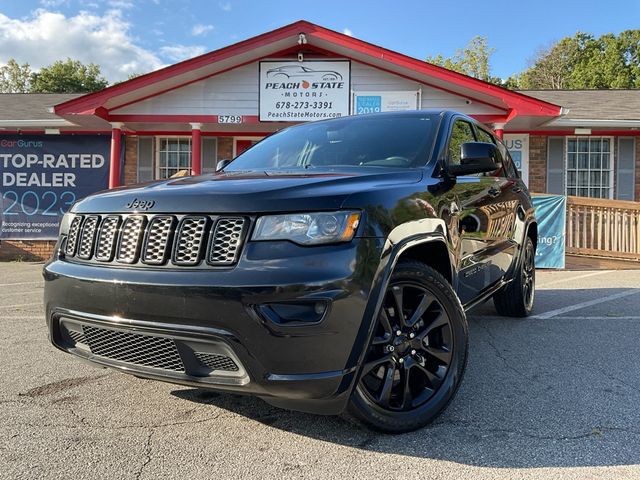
x=294 y=313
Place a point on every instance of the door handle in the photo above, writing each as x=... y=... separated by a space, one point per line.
x=494 y=192
x=516 y=189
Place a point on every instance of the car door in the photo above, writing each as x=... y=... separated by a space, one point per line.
x=458 y=207
x=501 y=207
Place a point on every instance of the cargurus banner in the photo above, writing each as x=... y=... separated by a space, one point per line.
x=42 y=175
x=551 y=215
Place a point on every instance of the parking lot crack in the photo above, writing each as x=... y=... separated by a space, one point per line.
x=147 y=454
x=593 y=432
x=490 y=341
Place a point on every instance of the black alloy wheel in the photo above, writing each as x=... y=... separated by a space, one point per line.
x=517 y=297
x=529 y=275
x=416 y=357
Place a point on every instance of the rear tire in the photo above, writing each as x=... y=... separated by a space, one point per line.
x=415 y=360
x=516 y=298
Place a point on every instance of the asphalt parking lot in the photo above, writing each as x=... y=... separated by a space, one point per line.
x=555 y=395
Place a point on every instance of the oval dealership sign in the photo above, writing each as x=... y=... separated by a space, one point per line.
x=293 y=91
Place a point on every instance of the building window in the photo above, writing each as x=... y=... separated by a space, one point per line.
x=174 y=155
x=589 y=167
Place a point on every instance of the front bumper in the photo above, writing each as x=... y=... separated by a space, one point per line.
x=104 y=313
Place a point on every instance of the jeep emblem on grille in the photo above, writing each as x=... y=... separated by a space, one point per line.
x=140 y=204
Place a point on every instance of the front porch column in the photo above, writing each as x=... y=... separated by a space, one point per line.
x=196 y=156
x=114 y=160
x=499 y=129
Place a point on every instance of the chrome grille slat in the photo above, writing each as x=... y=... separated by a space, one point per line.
x=189 y=240
x=157 y=241
x=226 y=241
x=87 y=237
x=107 y=238
x=130 y=237
x=72 y=238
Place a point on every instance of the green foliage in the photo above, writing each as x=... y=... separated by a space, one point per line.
x=70 y=76
x=472 y=60
x=586 y=62
x=15 y=78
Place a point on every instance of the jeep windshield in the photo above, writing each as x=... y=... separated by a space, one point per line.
x=394 y=141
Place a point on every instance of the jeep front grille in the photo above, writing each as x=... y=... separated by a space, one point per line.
x=156 y=240
x=87 y=237
x=226 y=240
x=106 y=238
x=72 y=239
x=189 y=244
x=130 y=238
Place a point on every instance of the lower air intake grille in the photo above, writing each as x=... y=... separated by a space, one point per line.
x=145 y=350
x=217 y=362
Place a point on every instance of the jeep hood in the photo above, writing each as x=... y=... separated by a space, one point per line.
x=248 y=192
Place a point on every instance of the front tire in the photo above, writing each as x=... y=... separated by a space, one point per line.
x=417 y=356
x=516 y=299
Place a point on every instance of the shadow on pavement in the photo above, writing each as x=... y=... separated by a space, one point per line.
x=537 y=393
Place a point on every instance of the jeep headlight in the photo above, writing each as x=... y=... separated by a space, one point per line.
x=308 y=228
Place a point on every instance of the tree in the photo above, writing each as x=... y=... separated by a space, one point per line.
x=15 y=78
x=70 y=76
x=586 y=62
x=472 y=60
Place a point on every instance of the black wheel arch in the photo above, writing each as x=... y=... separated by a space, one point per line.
x=414 y=247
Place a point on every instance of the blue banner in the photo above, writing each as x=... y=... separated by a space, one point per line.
x=551 y=213
x=41 y=176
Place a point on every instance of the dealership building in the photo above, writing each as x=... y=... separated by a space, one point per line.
x=55 y=148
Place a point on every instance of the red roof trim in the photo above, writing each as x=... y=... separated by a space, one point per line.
x=571 y=133
x=515 y=99
x=520 y=102
x=93 y=100
x=175 y=87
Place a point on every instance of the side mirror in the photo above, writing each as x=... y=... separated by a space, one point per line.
x=476 y=157
x=222 y=163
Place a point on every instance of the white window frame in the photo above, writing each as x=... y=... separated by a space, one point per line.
x=157 y=151
x=235 y=143
x=611 y=168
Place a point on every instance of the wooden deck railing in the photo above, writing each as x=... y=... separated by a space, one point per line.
x=607 y=228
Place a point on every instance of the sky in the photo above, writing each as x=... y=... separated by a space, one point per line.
x=136 y=36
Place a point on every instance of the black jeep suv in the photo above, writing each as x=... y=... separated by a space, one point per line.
x=327 y=269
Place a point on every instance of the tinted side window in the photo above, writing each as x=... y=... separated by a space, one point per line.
x=509 y=168
x=485 y=136
x=461 y=132
x=512 y=171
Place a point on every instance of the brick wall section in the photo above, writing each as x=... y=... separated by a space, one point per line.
x=538 y=164
x=130 y=160
x=25 y=250
x=225 y=148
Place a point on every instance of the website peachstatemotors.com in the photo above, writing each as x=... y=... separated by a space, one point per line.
x=304 y=114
